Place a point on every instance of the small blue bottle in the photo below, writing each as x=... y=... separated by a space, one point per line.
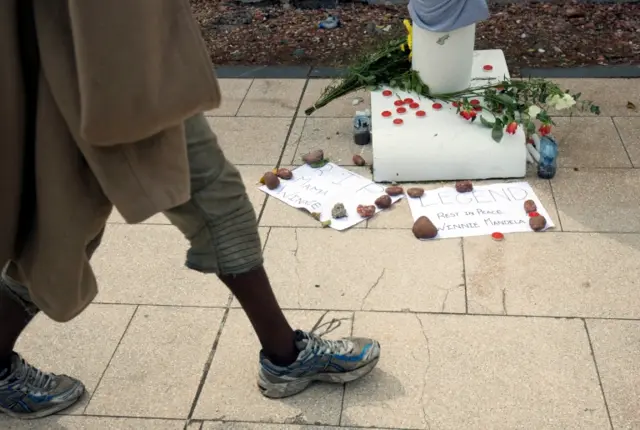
x=548 y=156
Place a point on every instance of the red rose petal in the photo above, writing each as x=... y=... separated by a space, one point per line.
x=455 y=104
x=474 y=102
x=414 y=105
x=421 y=113
x=487 y=67
x=497 y=236
x=408 y=100
x=436 y=106
x=532 y=214
x=398 y=103
x=401 y=110
x=477 y=108
x=387 y=93
x=386 y=113
x=398 y=121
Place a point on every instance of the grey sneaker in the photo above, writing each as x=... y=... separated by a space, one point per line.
x=28 y=393
x=324 y=360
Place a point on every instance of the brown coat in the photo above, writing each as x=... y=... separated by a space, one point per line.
x=117 y=80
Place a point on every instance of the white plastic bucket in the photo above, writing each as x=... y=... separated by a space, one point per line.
x=444 y=60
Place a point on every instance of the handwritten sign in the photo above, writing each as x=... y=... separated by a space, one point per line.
x=318 y=190
x=485 y=210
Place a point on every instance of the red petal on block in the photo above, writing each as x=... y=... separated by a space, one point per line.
x=421 y=113
x=398 y=121
x=436 y=106
x=487 y=67
x=455 y=104
x=414 y=105
x=477 y=108
x=401 y=110
x=474 y=102
x=398 y=103
x=408 y=100
x=387 y=93
x=386 y=113
x=497 y=236
x=532 y=214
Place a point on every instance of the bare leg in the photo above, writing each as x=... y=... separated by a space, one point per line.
x=13 y=320
x=253 y=291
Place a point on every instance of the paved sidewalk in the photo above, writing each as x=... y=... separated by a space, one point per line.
x=540 y=331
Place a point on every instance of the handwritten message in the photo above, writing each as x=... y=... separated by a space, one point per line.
x=318 y=190
x=485 y=210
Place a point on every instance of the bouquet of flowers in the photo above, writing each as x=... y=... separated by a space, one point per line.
x=505 y=105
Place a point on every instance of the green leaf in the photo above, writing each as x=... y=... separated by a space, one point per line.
x=576 y=97
x=497 y=132
x=530 y=127
x=486 y=122
x=595 y=109
x=505 y=99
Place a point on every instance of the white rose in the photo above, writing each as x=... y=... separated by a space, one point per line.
x=564 y=101
x=533 y=111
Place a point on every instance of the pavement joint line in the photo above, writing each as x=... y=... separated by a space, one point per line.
x=464 y=277
x=595 y=364
x=243 y=98
x=626 y=150
x=388 y=311
x=286 y=142
x=304 y=227
x=555 y=203
x=344 y=386
x=207 y=365
x=113 y=354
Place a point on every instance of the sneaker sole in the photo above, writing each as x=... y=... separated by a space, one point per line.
x=45 y=412
x=286 y=389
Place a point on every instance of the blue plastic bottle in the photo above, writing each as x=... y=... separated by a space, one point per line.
x=548 y=157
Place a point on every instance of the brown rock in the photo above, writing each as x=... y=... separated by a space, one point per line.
x=530 y=206
x=271 y=180
x=358 y=160
x=366 y=211
x=415 y=192
x=464 y=186
x=537 y=223
x=383 y=202
x=313 y=157
x=394 y=190
x=572 y=12
x=284 y=173
x=423 y=228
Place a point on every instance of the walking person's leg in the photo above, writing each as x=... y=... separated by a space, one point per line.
x=221 y=224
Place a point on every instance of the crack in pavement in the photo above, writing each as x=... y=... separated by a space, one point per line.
x=366 y=296
x=426 y=371
x=295 y=266
x=504 y=301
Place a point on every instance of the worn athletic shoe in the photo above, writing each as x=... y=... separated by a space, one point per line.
x=28 y=393
x=324 y=360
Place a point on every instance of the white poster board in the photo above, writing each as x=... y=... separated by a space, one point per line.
x=485 y=210
x=318 y=190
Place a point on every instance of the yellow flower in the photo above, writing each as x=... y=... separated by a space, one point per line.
x=407 y=25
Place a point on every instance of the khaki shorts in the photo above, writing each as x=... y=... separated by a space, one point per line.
x=219 y=220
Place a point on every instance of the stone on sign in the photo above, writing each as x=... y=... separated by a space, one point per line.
x=319 y=190
x=504 y=208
